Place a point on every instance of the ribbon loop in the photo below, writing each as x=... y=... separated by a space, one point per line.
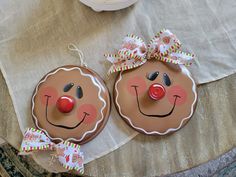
x=134 y=52
x=162 y=44
x=68 y=154
x=35 y=140
x=131 y=55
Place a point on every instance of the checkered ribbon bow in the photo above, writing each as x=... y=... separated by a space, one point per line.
x=68 y=154
x=134 y=52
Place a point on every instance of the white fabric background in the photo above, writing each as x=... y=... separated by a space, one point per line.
x=34 y=36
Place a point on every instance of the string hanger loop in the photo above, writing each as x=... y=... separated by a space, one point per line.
x=74 y=48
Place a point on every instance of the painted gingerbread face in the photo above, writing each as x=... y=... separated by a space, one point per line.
x=156 y=98
x=71 y=103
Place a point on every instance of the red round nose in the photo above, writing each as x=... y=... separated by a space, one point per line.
x=65 y=104
x=156 y=91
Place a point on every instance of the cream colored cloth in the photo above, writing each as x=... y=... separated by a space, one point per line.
x=34 y=36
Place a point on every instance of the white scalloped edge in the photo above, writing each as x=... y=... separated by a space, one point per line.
x=185 y=71
x=99 y=96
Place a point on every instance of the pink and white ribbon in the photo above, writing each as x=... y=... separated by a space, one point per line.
x=134 y=52
x=68 y=154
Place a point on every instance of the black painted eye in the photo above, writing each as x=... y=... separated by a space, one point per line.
x=166 y=79
x=68 y=87
x=79 y=92
x=152 y=76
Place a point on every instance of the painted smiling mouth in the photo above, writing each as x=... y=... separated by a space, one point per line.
x=153 y=115
x=63 y=126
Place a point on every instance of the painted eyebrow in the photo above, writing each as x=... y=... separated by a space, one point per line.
x=68 y=87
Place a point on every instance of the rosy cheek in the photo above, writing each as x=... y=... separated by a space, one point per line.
x=136 y=81
x=89 y=111
x=48 y=93
x=178 y=91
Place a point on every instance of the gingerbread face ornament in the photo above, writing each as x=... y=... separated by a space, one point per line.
x=154 y=92
x=71 y=103
x=70 y=107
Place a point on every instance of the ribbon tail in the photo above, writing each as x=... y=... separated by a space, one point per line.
x=126 y=66
x=112 y=58
x=180 y=57
x=70 y=156
x=80 y=166
x=116 y=61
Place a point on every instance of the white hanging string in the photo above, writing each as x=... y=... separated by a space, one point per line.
x=73 y=47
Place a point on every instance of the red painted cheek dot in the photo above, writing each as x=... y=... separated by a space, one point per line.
x=180 y=91
x=136 y=81
x=49 y=91
x=89 y=110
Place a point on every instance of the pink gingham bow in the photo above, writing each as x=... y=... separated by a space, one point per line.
x=134 y=52
x=68 y=154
